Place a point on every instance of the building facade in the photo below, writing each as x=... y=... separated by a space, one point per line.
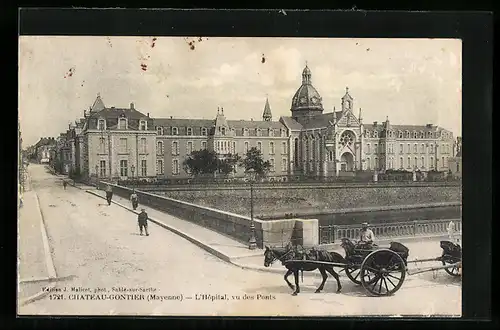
x=44 y=150
x=125 y=143
x=455 y=163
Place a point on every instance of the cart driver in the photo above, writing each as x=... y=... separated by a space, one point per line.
x=366 y=236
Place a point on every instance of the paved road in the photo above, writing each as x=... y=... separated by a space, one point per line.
x=100 y=247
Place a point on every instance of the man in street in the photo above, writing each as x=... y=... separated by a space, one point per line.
x=134 y=199
x=109 y=194
x=366 y=237
x=65 y=184
x=143 y=221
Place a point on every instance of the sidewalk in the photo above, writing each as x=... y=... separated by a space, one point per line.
x=222 y=246
x=34 y=260
x=238 y=254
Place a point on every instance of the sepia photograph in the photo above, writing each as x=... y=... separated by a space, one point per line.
x=239 y=176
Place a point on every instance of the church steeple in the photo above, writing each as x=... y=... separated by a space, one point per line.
x=267 y=115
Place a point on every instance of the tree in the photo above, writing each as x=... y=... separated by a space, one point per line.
x=253 y=160
x=201 y=162
x=228 y=164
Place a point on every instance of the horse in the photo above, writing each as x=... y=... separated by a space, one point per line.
x=290 y=253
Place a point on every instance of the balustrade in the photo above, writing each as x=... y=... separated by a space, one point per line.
x=333 y=233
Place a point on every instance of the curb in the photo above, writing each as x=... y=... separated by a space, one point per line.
x=48 y=261
x=193 y=240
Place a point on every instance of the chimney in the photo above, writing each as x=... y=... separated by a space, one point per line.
x=171 y=117
x=112 y=107
x=148 y=114
x=132 y=106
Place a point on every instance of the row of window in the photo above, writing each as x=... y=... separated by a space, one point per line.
x=407 y=134
x=373 y=163
x=220 y=146
x=122 y=124
x=123 y=146
x=124 y=168
x=444 y=148
x=176 y=166
x=222 y=130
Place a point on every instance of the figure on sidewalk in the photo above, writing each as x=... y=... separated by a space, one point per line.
x=65 y=184
x=109 y=194
x=134 y=199
x=143 y=221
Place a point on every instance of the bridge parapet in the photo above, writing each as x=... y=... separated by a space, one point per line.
x=333 y=233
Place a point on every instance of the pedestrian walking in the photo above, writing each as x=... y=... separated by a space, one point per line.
x=65 y=184
x=134 y=199
x=143 y=221
x=109 y=194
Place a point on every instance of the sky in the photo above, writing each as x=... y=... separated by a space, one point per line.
x=410 y=81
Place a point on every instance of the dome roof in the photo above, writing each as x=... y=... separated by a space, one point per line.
x=307 y=97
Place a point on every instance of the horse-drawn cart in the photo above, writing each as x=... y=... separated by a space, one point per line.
x=382 y=271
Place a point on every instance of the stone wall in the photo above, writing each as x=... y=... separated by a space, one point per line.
x=278 y=201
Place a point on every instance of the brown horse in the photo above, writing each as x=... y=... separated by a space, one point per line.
x=291 y=253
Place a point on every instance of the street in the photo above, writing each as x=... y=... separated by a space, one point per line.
x=98 y=247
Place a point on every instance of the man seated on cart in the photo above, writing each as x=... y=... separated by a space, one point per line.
x=366 y=238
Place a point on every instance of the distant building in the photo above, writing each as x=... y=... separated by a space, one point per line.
x=455 y=163
x=44 y=150
x=111 y=142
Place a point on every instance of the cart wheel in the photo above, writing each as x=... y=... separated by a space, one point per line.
x=383 y=272
x=353 y=273
x=452 y=271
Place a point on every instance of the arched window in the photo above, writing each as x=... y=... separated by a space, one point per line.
x=375 y=134
x=296 y=152
x=347 y=139
x=245 y=132
x=189 y=131
x=430 y=135
x=415 y=148
x=159 y=130
x=414 y=134
x=204 y=131
x=408 y=165
x=101 y=124
x=422 y=148
x=431 y=148
x=415 y=165
x=175 y=131
x=159 y=148
x=143 y=125
x=432 y=163
x=368 y=164
x=368 y=148
x=375 y=165
x=400 y=134
x=407 y=134
x=271 y=148
x=422 y=134
x=246 y=147
x=270 y=132
x=423 y=162
x=122 y=123
x=401 y=162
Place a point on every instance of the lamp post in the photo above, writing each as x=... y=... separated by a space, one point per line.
x=97 y=175
x=252 y=243
x=132 y=168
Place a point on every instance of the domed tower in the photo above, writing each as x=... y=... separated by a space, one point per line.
x=306 y=102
